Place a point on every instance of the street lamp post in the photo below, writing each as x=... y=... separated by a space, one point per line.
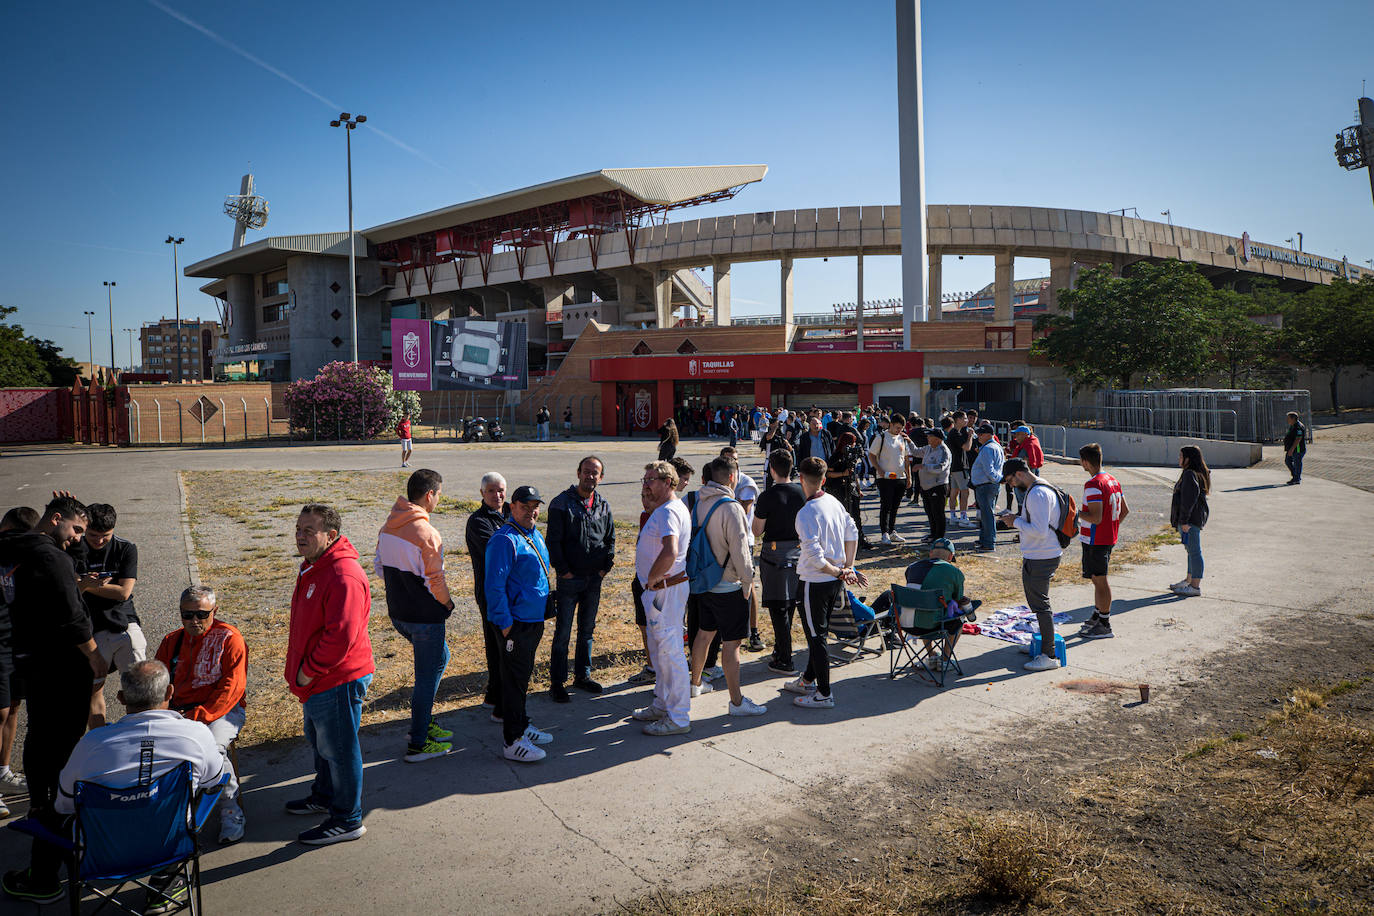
x=350 y=123
x=176 y=294
x=131 y=349
x=90 y=340
x=1299 y=235
x=109 y=295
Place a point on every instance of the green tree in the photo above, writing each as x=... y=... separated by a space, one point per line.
x=1239 y=343
x=21 y=363
x=1331 y=329
x=1155 y=322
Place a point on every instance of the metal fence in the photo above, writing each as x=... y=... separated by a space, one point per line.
x=1208 y=413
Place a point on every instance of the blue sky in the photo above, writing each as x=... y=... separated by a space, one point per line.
x=124 y=123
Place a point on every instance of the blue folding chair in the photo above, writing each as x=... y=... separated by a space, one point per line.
x=124 y=835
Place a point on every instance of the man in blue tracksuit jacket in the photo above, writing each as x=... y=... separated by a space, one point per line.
x=517 y=586
x=986 y=477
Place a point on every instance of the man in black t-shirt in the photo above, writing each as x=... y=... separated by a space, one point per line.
x=960 y=440
x=775 y=525
x=106 y=571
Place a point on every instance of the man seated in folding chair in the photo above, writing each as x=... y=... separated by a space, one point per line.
x=939 y=574
x=146 y=743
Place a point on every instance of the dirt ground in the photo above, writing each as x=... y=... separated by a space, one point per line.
x=245 y=550
x=1260 y=802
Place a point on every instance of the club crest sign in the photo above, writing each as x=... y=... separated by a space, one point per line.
x=644 y=408
x=410 y=351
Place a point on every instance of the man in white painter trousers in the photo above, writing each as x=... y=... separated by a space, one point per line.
x=661 y=565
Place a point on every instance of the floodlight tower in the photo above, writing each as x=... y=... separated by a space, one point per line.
x=1355 y=144
x=109 y=297
x=350 y=123
x=911 y=147
x=176 y=295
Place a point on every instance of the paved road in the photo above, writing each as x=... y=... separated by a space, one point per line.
x=614 y=814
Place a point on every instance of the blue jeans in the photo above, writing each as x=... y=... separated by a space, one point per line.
x=331 y=728
x=1294 y=462
x=430 y=646
x=985 y=495
x=582 y=593
x=1192 y=542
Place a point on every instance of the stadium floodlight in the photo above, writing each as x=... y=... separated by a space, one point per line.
x=349 y=123
x=1355 y=144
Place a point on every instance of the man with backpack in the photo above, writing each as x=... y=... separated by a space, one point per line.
x=720 y=572
x=1042 y=544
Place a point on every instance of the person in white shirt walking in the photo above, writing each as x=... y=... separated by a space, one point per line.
x=661 y=567
x=829 y=540
x=890 y=455
x=1040 y=551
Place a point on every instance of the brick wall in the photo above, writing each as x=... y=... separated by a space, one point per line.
x=229 y=423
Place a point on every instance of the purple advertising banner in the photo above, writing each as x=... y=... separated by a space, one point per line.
x=411 y=363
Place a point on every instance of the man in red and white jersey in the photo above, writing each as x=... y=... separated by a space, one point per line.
x=1104 y=508
x=403 y=433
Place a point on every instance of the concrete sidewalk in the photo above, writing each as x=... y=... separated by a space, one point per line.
x=614 y=814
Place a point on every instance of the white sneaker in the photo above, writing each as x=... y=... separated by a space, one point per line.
x=230 y=823
x=747 y=707
x=1042 y=663
x=897 y=538
x=12 y=780
x=885 y=539
x=799 y=686
x=1182 y=583
x=648 y=714
x=1188 y=591
x=535 y=736
x=814 y=701
x=664 y=727
x=713 y=673
x=4 y=808
x=703 y=687
x=524 y=752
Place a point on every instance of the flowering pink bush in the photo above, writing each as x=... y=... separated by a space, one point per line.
x=348 y=401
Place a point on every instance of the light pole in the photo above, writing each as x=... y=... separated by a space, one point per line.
x=176 y=294
x=1168 y=214
x=90 y=340
x=350 y=123
x=131 y=349
x=1299 y=235
x=109 y=296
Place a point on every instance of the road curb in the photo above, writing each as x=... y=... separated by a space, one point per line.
x=192 y=565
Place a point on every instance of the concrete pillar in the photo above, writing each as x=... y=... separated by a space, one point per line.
x=1061 y=278
x=720 y=292
x=859 y=305
x=785 y=297
x=240 y=294
x=558 y=295
x=912 y=162
x=663 y=298
x=935 y=297
x=1002 y=286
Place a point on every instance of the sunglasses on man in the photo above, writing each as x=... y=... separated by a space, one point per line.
x=196 y=615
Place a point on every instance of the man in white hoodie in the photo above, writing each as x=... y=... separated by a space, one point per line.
x=829 y=540
x=1040 y=551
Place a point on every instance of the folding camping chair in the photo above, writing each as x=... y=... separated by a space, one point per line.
x=849 y=637
x=921 y=615
x=125 y=835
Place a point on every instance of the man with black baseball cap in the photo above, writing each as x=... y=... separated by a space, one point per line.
x=518 y=583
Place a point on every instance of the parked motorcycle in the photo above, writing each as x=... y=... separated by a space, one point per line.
x=474 y=429
x=495 y=431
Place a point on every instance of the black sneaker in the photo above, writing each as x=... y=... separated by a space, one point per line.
x=559 y=694
x=331 y=832
x=169 y=898
x=1099 y=630
x=755 y=643
x=588 y=685
x=22 y=886
x=775 y=666
x=305 y=806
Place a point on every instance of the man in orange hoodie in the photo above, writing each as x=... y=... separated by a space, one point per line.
x=329 y=667
x=410 y=561
x=208 y=662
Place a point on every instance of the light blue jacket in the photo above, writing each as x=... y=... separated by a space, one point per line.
x=988 y=467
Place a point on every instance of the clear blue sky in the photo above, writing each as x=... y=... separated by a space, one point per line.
x=124 y=122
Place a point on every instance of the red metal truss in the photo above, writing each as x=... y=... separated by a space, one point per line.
x=548 y=225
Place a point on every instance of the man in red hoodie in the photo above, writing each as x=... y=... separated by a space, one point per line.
x=329 y=667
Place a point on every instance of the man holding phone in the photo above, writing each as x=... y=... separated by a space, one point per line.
x=106 y=571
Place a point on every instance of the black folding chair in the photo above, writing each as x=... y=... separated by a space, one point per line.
x=926 y=646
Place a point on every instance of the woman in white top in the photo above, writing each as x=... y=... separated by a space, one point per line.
x=889 y=453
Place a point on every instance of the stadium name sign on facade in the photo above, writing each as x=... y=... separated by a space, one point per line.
x=1249 y=249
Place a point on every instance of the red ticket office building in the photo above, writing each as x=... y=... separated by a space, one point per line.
x=639 y=392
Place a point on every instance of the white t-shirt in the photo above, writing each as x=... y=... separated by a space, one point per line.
x=823 y=527
x=890 y=454
x=669 y=518
x=1037 y=521
x=111 y=755
x=746 y=490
